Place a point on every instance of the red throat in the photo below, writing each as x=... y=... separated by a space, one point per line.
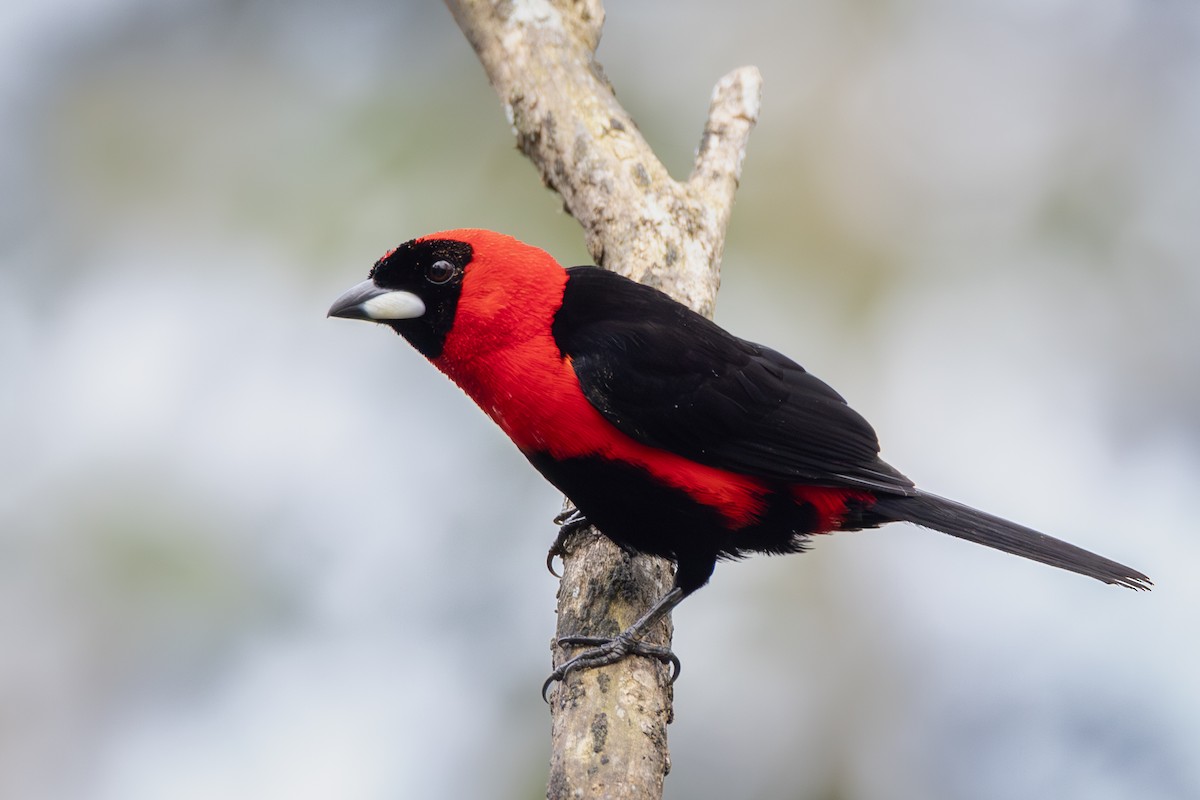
x=510 y=293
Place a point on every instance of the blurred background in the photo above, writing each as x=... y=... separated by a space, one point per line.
x=249 y=552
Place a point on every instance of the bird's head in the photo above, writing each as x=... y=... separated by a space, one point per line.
x=415 y=289
x=479 y=284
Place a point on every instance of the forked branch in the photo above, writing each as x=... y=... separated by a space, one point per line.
x=609 y=723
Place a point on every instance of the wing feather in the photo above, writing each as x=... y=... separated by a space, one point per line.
x=672 y=379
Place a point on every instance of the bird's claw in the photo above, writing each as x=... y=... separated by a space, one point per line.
x=570 y=516
x=569 y=521
x=604 y=651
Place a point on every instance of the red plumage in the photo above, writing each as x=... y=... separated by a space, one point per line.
x=501 y=351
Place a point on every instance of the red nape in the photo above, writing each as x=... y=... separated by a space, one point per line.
x=830 y=504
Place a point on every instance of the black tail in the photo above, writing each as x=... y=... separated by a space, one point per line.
x=947 y=516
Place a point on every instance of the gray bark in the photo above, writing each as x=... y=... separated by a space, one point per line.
x=609 y=724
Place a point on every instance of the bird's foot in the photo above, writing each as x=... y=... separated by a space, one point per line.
x=602 y=652
x=569 y=521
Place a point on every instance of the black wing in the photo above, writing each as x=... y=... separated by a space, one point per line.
x=670 y=378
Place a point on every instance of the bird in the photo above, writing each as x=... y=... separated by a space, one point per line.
x=671 y=435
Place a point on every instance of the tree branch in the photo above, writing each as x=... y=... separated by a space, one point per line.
x=609 y=724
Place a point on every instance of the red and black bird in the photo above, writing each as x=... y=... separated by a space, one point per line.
x=671 y=435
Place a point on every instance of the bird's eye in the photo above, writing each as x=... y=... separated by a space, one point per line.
x=440 y=272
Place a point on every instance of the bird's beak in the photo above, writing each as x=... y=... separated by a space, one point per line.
x=367 y=301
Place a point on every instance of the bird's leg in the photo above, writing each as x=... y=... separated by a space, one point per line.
x=603 y=651
x=569 y=521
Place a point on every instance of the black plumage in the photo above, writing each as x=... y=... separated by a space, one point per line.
x=670 y=378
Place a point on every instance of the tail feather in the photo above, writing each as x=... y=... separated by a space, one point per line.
x=947 y=516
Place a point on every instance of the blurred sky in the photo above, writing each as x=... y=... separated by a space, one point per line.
x=249 y=552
